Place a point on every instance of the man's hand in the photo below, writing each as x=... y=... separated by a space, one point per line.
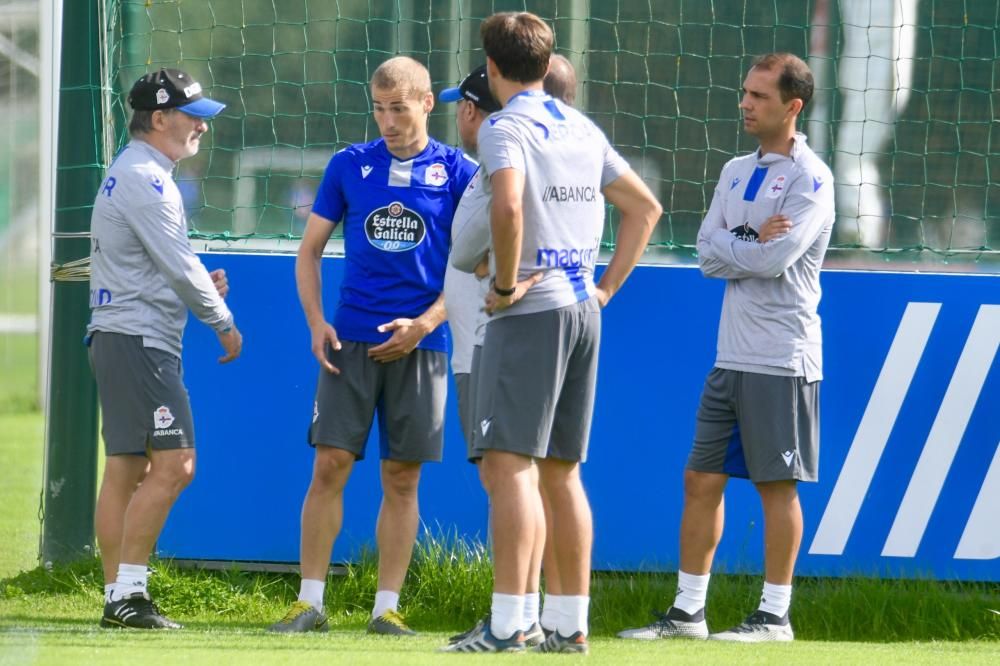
x=232 y=343
x=406 y=335
x=775 y=226
x=324 y=336
x=495 y=302
x=602 y=296
x=220 y=281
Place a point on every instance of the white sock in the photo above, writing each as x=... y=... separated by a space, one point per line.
x=776 y=599
x=506 y=614
x=692 y=591
x=551 y=611
x=108 y=589
x=311 y=590
x=385 y=600
x=131 y=579
x=574 y=615
x=530 y=610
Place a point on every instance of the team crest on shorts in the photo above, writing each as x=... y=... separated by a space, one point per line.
x=776 y=187
x=395 y=228
x=162 y=418
x=436 y=175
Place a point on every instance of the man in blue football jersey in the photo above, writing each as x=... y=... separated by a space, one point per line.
x=385 y=347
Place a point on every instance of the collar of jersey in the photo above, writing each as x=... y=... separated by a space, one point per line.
x=798 y=145
x=159 y=157
x=388 y=153
x=537 y=94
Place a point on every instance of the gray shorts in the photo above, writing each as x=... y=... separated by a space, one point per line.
x=466 y=385
x=408 y=395
x=758 y=427
x=144 y=403
x=536 y=383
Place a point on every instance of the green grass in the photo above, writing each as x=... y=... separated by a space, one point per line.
x=21 y=439
x=50 y=616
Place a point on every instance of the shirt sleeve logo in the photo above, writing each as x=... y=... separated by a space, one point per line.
x=436 y=175
x=157 y=184
x=395 y=228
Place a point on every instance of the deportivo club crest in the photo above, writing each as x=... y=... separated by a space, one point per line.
x=395 y=228
x=436 y=175
x=776 y=187
x=162 y=418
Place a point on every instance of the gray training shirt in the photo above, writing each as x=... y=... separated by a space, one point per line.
x=470 y=241
x=769 y=323
x=144 y=274
x=567 y=162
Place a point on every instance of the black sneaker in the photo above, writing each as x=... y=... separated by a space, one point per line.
x=675 y=623
x=300 y=618
x=760 y=627
x=136 y=611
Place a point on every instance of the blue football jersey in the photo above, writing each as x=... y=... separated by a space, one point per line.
x=397 y=233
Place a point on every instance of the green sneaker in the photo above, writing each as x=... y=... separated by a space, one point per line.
x=301 y=617
x=390 y=623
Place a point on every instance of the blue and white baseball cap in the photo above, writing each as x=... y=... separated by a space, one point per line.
x=475 y=88
x=172 y=89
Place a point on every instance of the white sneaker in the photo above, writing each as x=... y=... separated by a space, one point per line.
x=675 y=623
x=760 y=627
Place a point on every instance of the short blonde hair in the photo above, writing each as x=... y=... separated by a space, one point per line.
x=402 y=72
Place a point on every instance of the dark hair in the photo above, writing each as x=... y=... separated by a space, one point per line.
x=795 y=79
x=519 y=43
x=142 y=121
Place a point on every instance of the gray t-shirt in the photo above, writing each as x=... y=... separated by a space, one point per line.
x=566 y=161
x=144 y=274
x=769 y=321
x=465 y=294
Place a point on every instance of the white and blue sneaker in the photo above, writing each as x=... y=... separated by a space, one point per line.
x=481 y=639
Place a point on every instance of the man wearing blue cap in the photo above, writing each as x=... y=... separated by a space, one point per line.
x=144 y=279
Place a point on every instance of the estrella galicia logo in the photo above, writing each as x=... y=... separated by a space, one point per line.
x=395 y=228
x=746 y=233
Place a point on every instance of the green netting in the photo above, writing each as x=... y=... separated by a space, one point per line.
x=905 y=113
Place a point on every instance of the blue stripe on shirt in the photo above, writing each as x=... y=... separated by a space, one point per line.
x=753 y=185
x=575 y=279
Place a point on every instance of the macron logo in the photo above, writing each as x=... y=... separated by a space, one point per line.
x=365 y=170
x=788 y=457
x=484 y=425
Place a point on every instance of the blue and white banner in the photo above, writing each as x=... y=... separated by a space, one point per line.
x=910 y=428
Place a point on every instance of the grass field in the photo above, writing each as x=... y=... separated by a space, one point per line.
x=49 y=617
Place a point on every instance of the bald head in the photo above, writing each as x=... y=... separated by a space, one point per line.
x=402 y=74
x=560 y=82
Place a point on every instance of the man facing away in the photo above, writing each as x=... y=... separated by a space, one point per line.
x=765 y=233
x=548 y=169
x=384 y=353
x=466 y=287
x=144 y=278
